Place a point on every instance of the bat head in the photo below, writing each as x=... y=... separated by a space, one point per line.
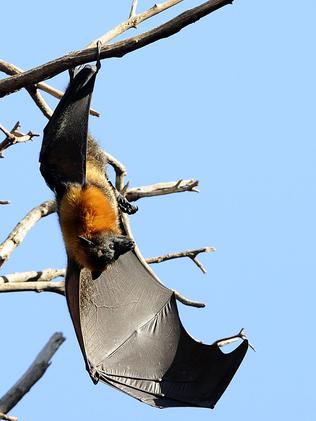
x=102 y=250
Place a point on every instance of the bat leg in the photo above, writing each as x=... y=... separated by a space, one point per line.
x=231 y=339
x=125 y=205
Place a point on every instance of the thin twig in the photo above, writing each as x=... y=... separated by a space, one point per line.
x=133 y=22
x=18 y=234
x=186 y=301
x=32 y=375
x=11 y=69
x=39 y=101
x=4 y=202
x=14 y=136
x=132 y=13
x=7 y=417
x=231 y=339
x=187 y=253
x=159 y=189
x=118 y=49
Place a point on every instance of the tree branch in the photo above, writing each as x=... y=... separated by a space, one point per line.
x=4 y=202
x=186 y=301
x=18 y=234
x=119 y=168
x=159 y=189
x=39 y=101
x=188 y=253
x=11 y=69
x=45 y=275
x=118 y=49
x=231 y=339
x=14 y=136
x=7 y=417
x=132 y=13
x=133 y=21
x=57 y=287
x=32 y=375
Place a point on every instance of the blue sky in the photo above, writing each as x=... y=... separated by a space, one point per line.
x=230 y=101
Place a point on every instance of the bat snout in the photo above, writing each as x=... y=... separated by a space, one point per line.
x=122 y=245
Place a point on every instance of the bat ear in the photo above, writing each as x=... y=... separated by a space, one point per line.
x=84 y=241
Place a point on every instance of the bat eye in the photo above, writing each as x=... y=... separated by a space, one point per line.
x=111 y=246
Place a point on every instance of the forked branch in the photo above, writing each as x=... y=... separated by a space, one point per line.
x=160 y=189
x=187 y=253
x=118 y=49
x=134 y=20
x=14 y=136
x=231 y=339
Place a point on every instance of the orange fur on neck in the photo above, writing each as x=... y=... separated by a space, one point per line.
x=87 y=212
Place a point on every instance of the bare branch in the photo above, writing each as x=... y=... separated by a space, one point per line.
x=7 y=417
x=120 y=170
x=14 y=136
x=57 y=287
x=188 y=253
x=231 y=339
x=39 y=101
x=45 y=275
x=32 y=375
x=161 y=189
x=4 y=202
x=186 y=301
x=151 y=190
x=132 y=13
x=133 y=21
x=19 y=232
x=11 y=69
x=118 y=49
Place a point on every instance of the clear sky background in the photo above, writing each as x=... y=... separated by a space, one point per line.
x=230 y=101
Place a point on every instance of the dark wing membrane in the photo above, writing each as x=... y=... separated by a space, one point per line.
x=63 y=153
x=132 y=338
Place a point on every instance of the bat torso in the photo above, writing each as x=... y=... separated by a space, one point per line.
x=89 y=215
x=86 y=212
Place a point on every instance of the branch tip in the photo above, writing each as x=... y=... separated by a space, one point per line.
x=14 y=136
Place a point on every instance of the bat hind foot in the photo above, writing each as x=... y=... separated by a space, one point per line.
x=125 y=205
